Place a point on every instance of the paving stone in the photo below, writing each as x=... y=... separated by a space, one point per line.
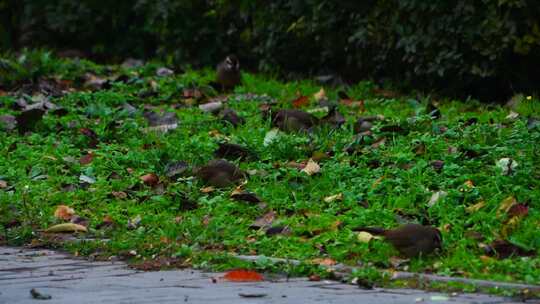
x=74 y=280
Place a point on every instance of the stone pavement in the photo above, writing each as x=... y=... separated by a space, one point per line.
x=73 y=280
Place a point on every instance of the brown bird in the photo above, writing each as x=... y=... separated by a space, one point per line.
x=228 y=73
x=292 y=120
x=411 y=239
x=220 y=173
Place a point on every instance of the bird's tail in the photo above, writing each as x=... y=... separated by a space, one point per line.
x=372 y=230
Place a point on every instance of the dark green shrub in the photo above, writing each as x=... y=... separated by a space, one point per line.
x=459 y=46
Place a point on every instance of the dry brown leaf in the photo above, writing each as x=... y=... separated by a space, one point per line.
x=64 y=212
x=66 y=228
x=311 y=167
x=119 y=194
x=208 y=189
x=381 y=141
x=324 y=261
x=264 y=221
x=86 y=159
x=150 y=179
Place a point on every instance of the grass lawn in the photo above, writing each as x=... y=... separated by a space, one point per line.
x=410 y=166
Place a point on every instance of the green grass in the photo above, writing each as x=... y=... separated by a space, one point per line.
x=399 y=188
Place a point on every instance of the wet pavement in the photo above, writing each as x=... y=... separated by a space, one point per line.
x=67 y=279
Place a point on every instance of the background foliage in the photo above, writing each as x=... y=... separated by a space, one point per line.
x=483 y=47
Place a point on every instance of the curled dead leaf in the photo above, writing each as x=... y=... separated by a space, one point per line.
x=150 y=179
x=311 y=167
x=64 y=212
x=66 y=228
x=324 y=261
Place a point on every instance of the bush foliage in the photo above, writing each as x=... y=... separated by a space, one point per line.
x=447 y=43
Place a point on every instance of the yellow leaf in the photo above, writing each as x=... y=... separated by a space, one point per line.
x=320 y=95
x=506 y=204
x=311 y=168
x=333 y=198
x=475 y=207
x=364 y=237
x=66 y=228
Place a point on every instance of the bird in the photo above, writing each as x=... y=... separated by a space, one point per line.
x=410 y=240
x=292 y=120
x=220 y=173
x=228 y=73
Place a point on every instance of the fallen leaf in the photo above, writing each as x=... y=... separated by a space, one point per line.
x=133 y=223
x=314 y=278
x=506 y=204
x=119 y=194
x=311 y=168
x=150 y=179
x=436 y=197
x=324 y=261
x=66 y=228
x=264 y=221
x=474 y=208
x=397 y=262
x=381 y=141
x=512 y=115
x=160 y=122
x=333 y=198
x=86 y=159
x=207 y=189
x=85 y=179
x=364 y=237
x=507 y=165
x=320 y=95
x=211 y=107
x=64 y=212
x=300 y=102
x=8 y=122
x=163 y=72
x=230 y=116
x=243 y=276
x=516 y=210
x=270 y=137
x=107 y=221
